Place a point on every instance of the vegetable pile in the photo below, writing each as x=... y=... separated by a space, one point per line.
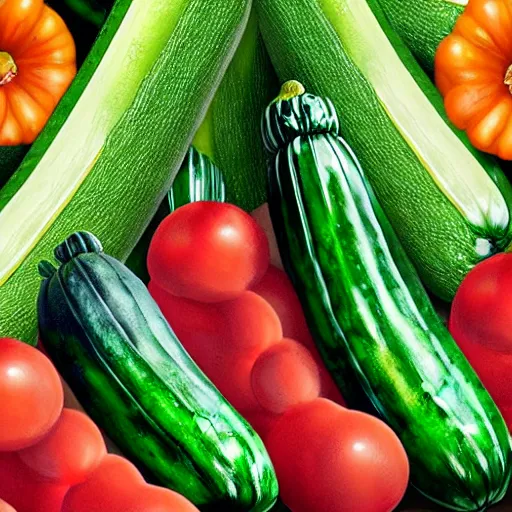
x=54 y=458
x=255 y=255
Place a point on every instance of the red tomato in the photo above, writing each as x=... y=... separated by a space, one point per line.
x=277 y=289
x=208 y=251
x=481 y=310
x=285 y=375
x=158 y=499
x=114 y=483
x=234 y=382
x=117 y=486
x=71 y=451
x=328 y=458
x=262 y=421
x=25 y=490
x=480 y=324
x=200 y=327
x=251 y=324
x=31 y=395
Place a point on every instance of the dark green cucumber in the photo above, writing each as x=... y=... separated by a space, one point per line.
x=197 y=180
x=371 y=318
x=423 y=24
x=114 y=348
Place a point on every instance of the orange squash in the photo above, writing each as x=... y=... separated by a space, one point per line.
x=473 y=71
x=37 y=64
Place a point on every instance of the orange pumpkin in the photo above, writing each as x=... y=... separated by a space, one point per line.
x=37 y=64
x=473 y=71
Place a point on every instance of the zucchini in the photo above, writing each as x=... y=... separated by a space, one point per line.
x=449 y=204
x=230 y=134
x=197 y=180
x=369 y=314
x=112 y=345
x=108 y=155
x=423 y=24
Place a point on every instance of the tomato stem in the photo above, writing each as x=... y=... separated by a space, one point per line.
x=8 y=68
x=508 y=78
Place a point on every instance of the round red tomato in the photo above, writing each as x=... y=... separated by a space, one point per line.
x=70 y=452
x=31 y=395
x=480 y=324
x=277 y=289
x=284 y=375
x=117 y=486
x=25 y=490
x=482 y=307
x=208 y=251
x=329 y=458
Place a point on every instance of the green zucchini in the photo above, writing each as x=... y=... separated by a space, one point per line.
x=108 y=155
x=370 y=316
x=197 y=180
x=423 y=24
x=230 y=134
x=449 y=204
x=112 y=345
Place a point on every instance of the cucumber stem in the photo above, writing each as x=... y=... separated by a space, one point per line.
x=290 y=90
x=508 y=78
x=8 y=68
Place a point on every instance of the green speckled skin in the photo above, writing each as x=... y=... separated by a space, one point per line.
x=441 y=243
x=114 y=348
x=371 y=318
x=142 y=154
x=422 y=24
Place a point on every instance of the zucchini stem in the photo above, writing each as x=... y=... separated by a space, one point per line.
x=290 y=89
x=8 y=68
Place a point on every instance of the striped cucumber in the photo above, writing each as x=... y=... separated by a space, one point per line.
x=449 y=204
x=108 y=155
x=112 y=345
x=371 y=318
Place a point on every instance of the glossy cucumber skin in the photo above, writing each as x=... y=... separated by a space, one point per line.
x=198 y=179
x=372 y=320
x=422 y=24
x=114 y=348
x=440 y=241
x=134 y=171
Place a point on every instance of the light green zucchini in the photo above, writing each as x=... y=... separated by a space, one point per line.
x=108 y=155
